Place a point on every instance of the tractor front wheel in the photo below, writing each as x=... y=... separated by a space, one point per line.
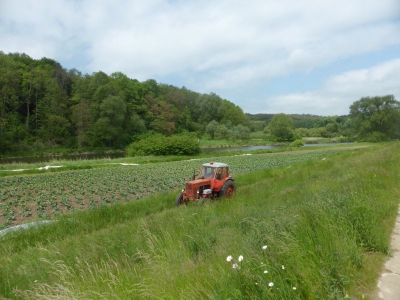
x=228 y=189
x=179 y=200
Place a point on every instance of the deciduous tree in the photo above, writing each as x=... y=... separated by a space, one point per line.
x=281 y=127
x=376 y=117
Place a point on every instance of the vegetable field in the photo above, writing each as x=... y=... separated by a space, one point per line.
x=45 y=196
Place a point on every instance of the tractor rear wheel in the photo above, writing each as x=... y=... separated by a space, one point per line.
x=228 y=189
x=179 y=200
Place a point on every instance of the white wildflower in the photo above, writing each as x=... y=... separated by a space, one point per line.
x=264 y=247
x=235 y=266
x=294 y=288
x=283 y=267
x=240 y=258
x=271 y=284
x=266 y=271
x=229 y=258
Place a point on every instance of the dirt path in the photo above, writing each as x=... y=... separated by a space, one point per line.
x=389 y=282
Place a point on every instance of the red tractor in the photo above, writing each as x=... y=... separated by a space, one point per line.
x=214 y=180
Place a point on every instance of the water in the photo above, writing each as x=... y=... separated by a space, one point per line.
x=49 y=158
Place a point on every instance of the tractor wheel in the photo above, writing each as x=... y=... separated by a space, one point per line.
x=179 y=200
x=228 y=189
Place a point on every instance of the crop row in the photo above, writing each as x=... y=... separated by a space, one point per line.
x=23 y=198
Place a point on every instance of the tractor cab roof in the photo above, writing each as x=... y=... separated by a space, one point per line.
x=215 y=165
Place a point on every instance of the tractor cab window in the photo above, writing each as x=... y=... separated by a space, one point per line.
x=221 y=173
x=207 y=172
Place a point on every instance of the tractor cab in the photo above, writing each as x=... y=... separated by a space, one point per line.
x=217 y=172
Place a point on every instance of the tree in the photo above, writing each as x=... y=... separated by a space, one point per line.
x=41 y=103
x=240 y=132
x=211 y=128
x=82 y=121
x=109 y=127
x=221 y=132
x=377 y=117
x=281 y=127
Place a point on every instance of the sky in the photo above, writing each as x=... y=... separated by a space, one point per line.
x=266 y=56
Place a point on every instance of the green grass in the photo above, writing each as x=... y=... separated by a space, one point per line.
x=327 y=221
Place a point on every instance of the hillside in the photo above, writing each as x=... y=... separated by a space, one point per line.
x=43 y=105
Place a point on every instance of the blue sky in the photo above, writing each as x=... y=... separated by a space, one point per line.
x=266 y=56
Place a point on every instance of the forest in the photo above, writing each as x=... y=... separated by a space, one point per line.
x=44 y=106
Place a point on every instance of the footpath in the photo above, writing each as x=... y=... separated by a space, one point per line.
x=389 y=282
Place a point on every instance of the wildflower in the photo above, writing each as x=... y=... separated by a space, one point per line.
x=229 y=258
x=294 y=288
x=266 y=271
x=240 y=258
x=264 y=247
x=283 y=267
x=271 y=284
x=235 y=266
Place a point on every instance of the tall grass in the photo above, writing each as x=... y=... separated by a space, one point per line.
x=316 y=230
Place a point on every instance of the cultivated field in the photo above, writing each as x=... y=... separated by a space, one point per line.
x=45 y=196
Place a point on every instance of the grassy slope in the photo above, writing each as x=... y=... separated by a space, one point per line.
x=328 y=222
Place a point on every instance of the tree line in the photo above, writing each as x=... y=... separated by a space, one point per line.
x=371 y=119
x=43 y=104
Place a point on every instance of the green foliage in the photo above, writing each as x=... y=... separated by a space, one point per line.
x=221 y=131
x=297 y=143
x=375 y=137
x=281 y=127
x=41 y=103
x=371 y=116
x=161 y=145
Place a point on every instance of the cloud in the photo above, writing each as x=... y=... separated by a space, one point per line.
x=207 y=46
x=340 y=91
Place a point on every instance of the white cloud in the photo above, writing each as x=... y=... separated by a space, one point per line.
x=209 y=45
x=339 y=92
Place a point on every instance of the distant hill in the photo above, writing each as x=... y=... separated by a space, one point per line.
x=299 y=120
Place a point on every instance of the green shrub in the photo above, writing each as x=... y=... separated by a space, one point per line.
x=297 y=143
x=162 y=145
x=312 y=142
x=375 y=137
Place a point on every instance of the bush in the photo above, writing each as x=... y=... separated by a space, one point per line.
x=297 y=143
x=161 y=145
x=375 y=137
